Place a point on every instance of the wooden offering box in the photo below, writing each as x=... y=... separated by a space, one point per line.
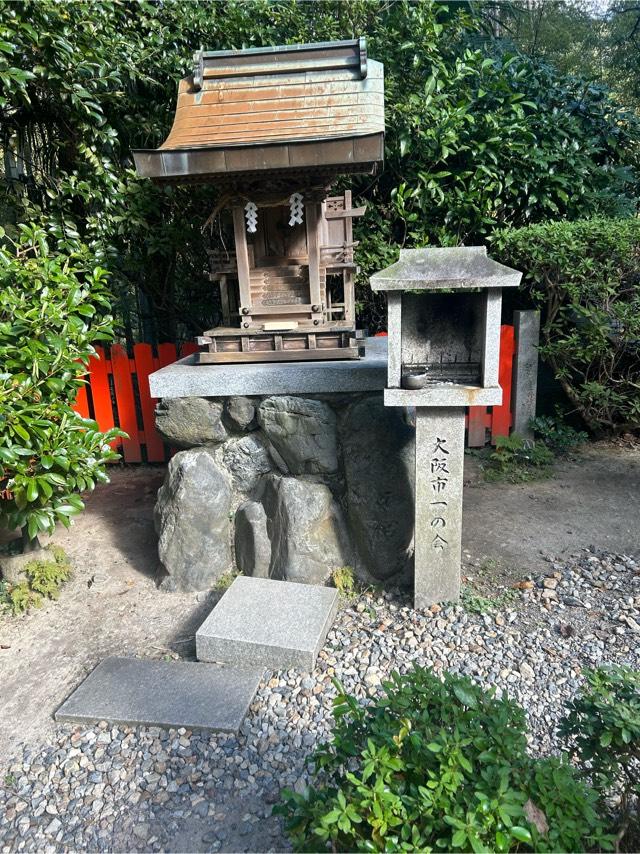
x=273 y=128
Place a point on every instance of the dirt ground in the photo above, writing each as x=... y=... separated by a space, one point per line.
x=592 y=501
x=112 y=607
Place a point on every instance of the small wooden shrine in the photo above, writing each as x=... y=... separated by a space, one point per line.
x=273 y=128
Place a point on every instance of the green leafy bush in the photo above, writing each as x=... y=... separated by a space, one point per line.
x=603 y=724
x=43 y=578
x=438 y=765
x=52 y=307
x=585 y=275
x=476 y=138
x=558 y=436
x=344 y=581
x=517 y=459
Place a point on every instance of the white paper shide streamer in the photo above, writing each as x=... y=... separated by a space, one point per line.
x=296 y=209
x=251 y=216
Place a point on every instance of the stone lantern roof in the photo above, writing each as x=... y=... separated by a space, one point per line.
x=445 y=268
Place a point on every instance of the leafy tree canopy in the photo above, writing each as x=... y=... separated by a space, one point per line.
x=477 y=137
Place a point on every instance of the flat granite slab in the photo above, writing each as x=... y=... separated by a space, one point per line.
x=186 y=379
x=275 y=624
x=164 y=693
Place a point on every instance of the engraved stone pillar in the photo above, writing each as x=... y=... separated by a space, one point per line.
x=438 y=508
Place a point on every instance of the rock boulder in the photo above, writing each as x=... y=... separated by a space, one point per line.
x=192 y=521
x=252 y=543
x=306 y=529
x=186 y=422
x=302 y=432
x=379 y=460
x=240 y=413
x=247 y=459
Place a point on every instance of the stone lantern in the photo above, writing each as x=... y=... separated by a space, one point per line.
x=444 y=309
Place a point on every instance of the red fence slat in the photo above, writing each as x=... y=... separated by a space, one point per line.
x=501 y=420
x=81 y=406
x=101 y=392
x=166 y=354
x=126 y=403
x=143 y=358
x=188 y=348
x=476 y=427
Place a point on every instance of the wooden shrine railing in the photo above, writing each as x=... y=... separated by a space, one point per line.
x=117 y=393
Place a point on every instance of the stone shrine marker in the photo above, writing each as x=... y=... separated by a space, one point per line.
x=444 y=310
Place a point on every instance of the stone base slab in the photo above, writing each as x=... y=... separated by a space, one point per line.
x=274 y=624
x=134 y=691
x=186 y=378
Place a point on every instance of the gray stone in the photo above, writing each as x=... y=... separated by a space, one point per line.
x=525 y=370
x=252 y=543
x=187 y=422
x=491 y=338
x=273 y=624
x=378 y=458
x=247 y=459
x=302 y=431
x=438 y=268
x=164 y=693
x=185 y=378
x=394 y=340
x=192 y=521
x=444 y=395
x=306 y=529
x=240 y=413
x=438 y=506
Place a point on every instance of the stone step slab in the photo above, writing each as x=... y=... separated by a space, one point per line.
x=188 y=694
x=274 y=624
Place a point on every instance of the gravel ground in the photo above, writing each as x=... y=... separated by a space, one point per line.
x=143 y=788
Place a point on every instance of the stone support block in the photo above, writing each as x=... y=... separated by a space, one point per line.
x=266 y=623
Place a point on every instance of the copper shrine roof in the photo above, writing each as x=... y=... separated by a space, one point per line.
x=274 y=108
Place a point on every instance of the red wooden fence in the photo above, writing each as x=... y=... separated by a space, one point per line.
x=117 y=393
x=496 y=419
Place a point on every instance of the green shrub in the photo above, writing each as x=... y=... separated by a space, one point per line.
x=344 y=581
x=585 y=275
x=438 y=765
x=52 y=307
x=476 y=138
x=43 y=578
x=603 y=724
x=516 y=460
x=558 y=436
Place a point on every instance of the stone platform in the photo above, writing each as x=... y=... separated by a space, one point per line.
x=164 y=693
x=185 y=378
x=267 y=623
